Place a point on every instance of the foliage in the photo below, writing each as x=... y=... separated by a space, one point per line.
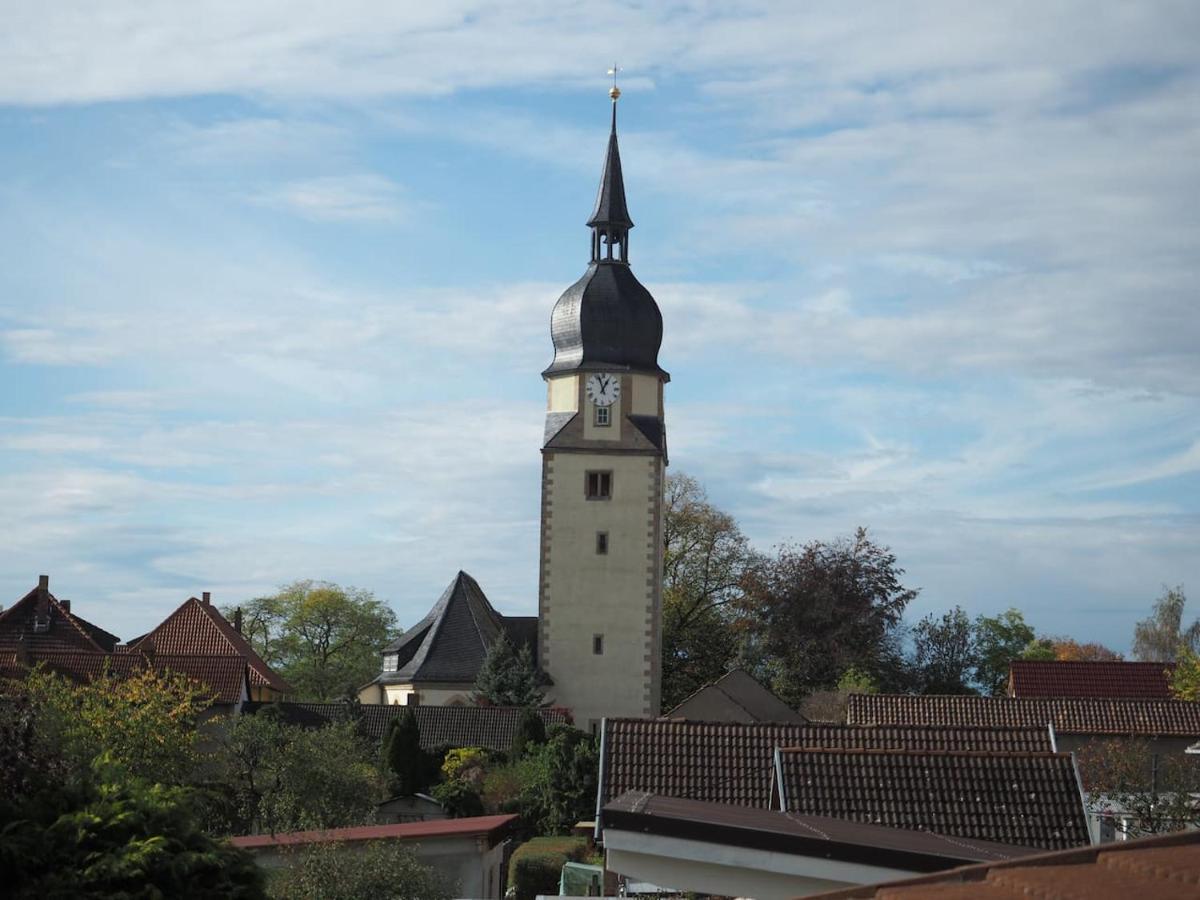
x=381 y=870
x=944 y=653
x=464 y=764
x=460 y=798
x=562 y=781
x=536 y=866
x=323 y=638
x=856 y=681
x=508 y=677
x=287 y=778
x=1158 y=637
x=531 y=732
x=1185 y=679
x=705 y=556
x=1069 y=650
x=820 y=608
x=1123 y=777
x=145 y=722
x=1041 y=649
x=104 y=834
x=405 y=761
x=998 y=641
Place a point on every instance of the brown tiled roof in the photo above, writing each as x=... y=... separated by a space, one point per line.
x=197 y=628
x=1106 y=678
x=1026 y=799
x=1155 y=868
x=65 y=631
x=493 y=727
x=224 y=676
x=1068 y=715
x=799 y=835
x=732 y=762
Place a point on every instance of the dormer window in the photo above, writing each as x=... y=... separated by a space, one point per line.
x=390 y=662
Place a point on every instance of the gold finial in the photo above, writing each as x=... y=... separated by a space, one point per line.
x=614 y=91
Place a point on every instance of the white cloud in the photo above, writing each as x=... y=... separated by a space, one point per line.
x=338 y=198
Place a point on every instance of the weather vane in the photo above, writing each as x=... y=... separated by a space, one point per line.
x=615 y=91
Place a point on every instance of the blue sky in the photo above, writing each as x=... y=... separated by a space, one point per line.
x=275 y=282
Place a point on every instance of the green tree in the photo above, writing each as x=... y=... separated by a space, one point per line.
x=818 y=609
x=705 y=556
x=381 y=869
x=323 y=638
x=508 y=677
x=856 y=681
x=1159 y=637
x=287 y=778
x=1185 y=678
x=945 y=653
x=406 y=761
x=998 y=641
x=531 y=733
x=145 y=722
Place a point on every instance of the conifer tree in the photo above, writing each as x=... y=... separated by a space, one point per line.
x=402 y=751
x=531 y=731
x=508 y=677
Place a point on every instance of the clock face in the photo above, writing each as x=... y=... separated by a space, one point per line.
x=603 y=389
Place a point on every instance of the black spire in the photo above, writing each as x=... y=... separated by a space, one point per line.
x=607 y=321
x=610 y=222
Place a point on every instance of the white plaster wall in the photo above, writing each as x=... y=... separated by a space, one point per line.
x=647 y=396
x=562 y=393
x=613 y=594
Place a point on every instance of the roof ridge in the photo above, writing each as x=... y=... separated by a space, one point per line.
x=903 y=751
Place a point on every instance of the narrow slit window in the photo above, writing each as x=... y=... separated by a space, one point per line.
x=599 y=485
x=602 y=543
x=598 y=644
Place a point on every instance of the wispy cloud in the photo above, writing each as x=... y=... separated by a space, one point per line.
x=338 y=198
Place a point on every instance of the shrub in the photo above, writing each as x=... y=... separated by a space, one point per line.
x=465 y=764
x=382 y=871
x=536 y=865
x=459 y=798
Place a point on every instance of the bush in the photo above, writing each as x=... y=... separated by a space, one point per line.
x=536 y=865
x=459 y=798
x=381 y=870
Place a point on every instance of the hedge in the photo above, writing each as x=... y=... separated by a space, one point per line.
x=536 y=865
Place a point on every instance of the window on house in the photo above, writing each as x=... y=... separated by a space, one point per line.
x=389 y=662
x=602 y=543
x=598 y=644
x=599 y=485
x=603 y=416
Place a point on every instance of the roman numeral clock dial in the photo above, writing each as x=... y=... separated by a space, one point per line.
x=603 y=389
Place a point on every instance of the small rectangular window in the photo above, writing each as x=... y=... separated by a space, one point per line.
x=602 y=543
x=599 y=485
x=390 y=662
x=603 y=416
x=598 y=644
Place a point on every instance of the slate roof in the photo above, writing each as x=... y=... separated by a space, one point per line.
x=1025 y=799
x=224 y=676
x=799 y=835
x=733 y=762
x=611 y=208
x=493 y=727
x=740 y=696
x=1108 y=678
x=1068 y=715
x=66 y=631
x=450 y=643
x=198 y=629
x=1155 y=868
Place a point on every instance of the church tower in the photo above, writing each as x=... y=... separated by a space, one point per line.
x=604 y=455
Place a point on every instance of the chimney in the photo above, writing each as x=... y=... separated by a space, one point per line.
x=206 y=598
x=66 y=605
x=41 y=607
x=237 y=620
x=22 y=652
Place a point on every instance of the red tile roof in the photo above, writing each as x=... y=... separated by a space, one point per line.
x=1108 y=678
x=475 y=825
x=198 y=629
x=1155 y=868
x=1022 y=799
x=1068 y=715
x=65 y=631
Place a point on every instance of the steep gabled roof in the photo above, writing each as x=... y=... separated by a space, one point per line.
x=1023 y=799
x=64 y=630
x=493 y=727
x=1092 y=678
x=733 y=762
x=1068 y=715
x=451 y=641
x=196 y=629
x=738 y=697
